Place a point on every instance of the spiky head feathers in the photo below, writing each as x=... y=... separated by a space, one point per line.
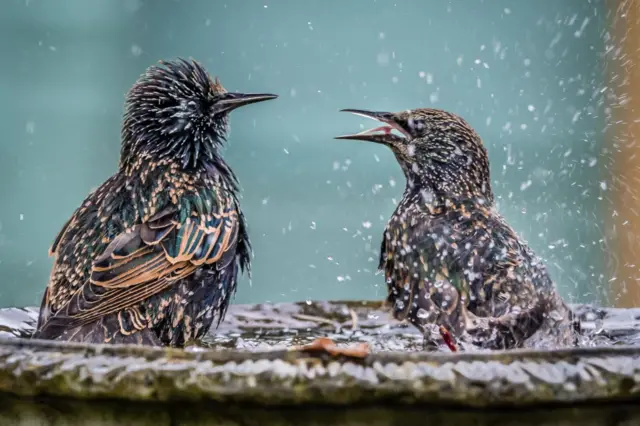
x=171 y=111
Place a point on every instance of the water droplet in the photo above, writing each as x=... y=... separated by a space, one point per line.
x=422 y=314
x=555 y=315
x=599 y=326
x=136 y=50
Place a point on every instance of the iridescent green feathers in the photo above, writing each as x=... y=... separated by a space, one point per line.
x=144 y=259
x=153 y=255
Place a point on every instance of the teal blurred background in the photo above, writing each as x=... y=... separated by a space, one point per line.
x=526 y=74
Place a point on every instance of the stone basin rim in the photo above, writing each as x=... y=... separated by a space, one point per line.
x=224 y=355
x=279 y=376
x=386 y=357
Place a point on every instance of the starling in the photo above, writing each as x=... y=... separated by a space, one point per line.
x=449 y=258
x=152 y=256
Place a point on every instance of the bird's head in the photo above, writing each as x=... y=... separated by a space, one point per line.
x=437 y=150
x=177 y=110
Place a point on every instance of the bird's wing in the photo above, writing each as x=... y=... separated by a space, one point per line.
x=432 y=264
x=45 y=311
x=453 y=267
x=148 y=259
x=422 y=287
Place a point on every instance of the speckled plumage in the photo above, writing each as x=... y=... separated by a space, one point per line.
x=152 y=256
x=448 y=256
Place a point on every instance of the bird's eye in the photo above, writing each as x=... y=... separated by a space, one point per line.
x=415 y=125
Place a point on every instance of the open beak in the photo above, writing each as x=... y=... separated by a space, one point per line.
x=231 y=101
x=382 y=134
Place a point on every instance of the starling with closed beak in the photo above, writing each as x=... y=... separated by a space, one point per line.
x=152 y=256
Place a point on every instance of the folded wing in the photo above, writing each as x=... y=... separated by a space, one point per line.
x=147 y=260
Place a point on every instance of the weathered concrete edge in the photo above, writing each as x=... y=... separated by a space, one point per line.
x=32 y=367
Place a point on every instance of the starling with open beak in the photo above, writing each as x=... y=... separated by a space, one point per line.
x=450 y=260
x=153 y=255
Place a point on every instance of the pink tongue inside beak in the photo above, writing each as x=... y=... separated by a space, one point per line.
x=384 y=129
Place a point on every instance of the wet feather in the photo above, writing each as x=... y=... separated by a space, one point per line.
x=153 y=255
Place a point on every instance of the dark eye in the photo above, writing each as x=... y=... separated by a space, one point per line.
x=415 y=125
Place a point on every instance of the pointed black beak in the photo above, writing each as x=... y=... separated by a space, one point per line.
x=381 y=134
x=231 y=101
x=385 y=117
